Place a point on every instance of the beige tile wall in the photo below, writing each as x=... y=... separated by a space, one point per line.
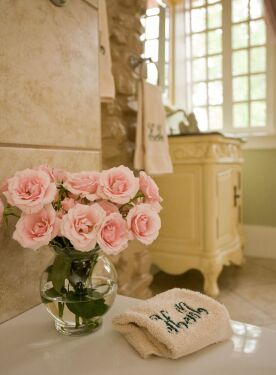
x=49 y=113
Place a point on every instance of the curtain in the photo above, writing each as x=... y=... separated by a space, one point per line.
x=270 y=17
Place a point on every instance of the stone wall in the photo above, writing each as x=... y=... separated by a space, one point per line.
x=119 y=126
x=119 y=117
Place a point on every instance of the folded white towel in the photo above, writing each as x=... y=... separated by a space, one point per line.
x=174 y=323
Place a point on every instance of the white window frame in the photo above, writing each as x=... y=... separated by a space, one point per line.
x=161 y=63
x=266 y=135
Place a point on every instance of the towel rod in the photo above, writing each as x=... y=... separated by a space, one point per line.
x=135 y=61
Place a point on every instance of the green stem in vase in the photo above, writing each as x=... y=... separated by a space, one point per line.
x=60 y=309
x=84 y=321
x=77 y=320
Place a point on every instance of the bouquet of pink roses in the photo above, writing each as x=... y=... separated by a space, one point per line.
x=77 y=214
x=107 y=208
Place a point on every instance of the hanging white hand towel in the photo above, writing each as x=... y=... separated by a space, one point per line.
x=107 y=87
x=151 y=149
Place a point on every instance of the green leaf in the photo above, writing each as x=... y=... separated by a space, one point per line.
x=60 y=271
x=87 y=309
x=52 y=293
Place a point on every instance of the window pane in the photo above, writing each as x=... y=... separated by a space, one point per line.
x=215 y=41
x=215 y=92
x=198 y=19
x=257 y=32
x=255 y=8
x=197 y=3
x=202 y=119
x=152 y=27
x=199 y=45
x=166 y=93
x=240 y=89
x=239 y=10
x=215 y=118
x=199 y=94
x=258 y=87
x=258 y=114
x=240 y=62
x=214 y=16
x=214 y=67
x=213 y=1
x=199 y=70
x=240 y=115
x=151 y=49
x=152 y=11
x=240 y=35
x=152 y=74
x=258 y=60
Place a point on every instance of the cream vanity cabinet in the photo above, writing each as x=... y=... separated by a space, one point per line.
x=201 y=216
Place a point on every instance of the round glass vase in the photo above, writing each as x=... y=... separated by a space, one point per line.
x=78 y=288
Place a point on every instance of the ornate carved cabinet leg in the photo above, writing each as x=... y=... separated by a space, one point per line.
x=211 y=280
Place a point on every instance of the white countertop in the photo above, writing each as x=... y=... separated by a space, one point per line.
x=30 y=345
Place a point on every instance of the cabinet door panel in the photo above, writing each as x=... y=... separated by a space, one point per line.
x=225 y=212
x=182 y=202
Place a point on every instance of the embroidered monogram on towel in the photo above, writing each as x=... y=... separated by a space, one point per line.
x=155 y=132
x=191 y=316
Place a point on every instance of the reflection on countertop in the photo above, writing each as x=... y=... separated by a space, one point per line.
x=246 y=337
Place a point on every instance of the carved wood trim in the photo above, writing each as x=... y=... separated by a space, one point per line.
x=207 y=151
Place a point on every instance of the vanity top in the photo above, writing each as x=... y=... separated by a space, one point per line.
x=206 y=135
x=30 y=345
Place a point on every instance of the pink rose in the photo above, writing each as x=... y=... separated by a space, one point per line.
x=144 y=223
x=60 y=175
x=118 y=185
x=113 y=234
x=2 y=207
x=56 y=175
x=149 y=188
x=68 y=203
x=81 y=224
x=108 y=207
x=4 y=185
x=156 y=206
x=84 y=184
x=30 y=190
x=37 y=229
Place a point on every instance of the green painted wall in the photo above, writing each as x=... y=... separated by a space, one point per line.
x=259 y=187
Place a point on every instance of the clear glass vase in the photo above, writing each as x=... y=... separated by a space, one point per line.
x=78 y=288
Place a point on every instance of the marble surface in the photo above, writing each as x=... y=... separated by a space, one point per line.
x=248 y=292
x=30 y=345
x=49 y=74
x=15 y=159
